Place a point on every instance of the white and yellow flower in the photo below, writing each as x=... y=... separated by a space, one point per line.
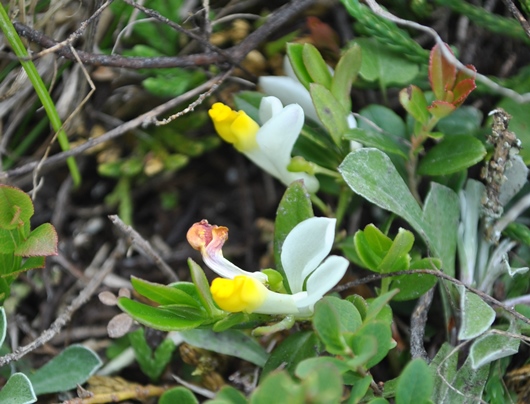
x=270 y=145
x=310 y=275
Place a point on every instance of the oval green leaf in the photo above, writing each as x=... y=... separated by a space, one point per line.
x=453 y=154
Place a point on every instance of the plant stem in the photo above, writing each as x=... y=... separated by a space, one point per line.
x=41 y=90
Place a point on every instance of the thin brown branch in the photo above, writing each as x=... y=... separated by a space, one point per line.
x=143 y=247
x=418 y=321
x=518 y=16
x=235 y=54
x=66 y=315
x=177 y=27
x=487 y=298
x=143 y=119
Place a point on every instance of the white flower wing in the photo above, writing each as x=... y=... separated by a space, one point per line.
x=304 y=249
x=325 y=277
x=289 y=91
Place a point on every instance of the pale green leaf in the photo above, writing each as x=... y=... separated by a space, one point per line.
x=64 y=372
x=18 y=390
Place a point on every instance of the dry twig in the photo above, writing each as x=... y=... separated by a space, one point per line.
x=143 y=246
x=65 y=317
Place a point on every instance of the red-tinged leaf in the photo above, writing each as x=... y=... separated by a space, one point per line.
x=15 y=207
x=323 y=36
x=33 y=263
x=41 y=242
x=414 y=102
x=441 y=109
x=462 y=75
x=462 y=90
x=442 y=74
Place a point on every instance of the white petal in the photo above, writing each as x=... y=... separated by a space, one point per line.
x=288 y=69
x=304 y=249
x=277 y=137
x=280 y=303
x=289 y=91
x=352 y=123
x=325 y=277
x=225 y=269
x=269 y=107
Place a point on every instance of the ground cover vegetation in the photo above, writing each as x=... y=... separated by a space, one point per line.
x=256 y=202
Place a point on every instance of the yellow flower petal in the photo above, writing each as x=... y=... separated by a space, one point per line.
x=234 y=127
x=239 y=294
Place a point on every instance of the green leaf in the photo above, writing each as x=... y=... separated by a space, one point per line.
x=151 y=363
x=179 y=395
x=158 y=318
x=415 y=384
x=370 y=173
x=278 y=388
x=345 y=74
x=15 y=207
x=295 y=54
x=385 y=118
x=414 y=285
x=32 y=263
x=231 y=342
x=376 y=305
x=477 y=316
x=443 y=370
x=203 y=287
x=163 y=294
x=441 y=229
x=71 y=367
x=380 y=63
x=359 y=389
x=465 y=120
x=382 y=334
x=295 y=207
x=316 y=66
x=491 y=347
x=231 y=320
x=330 y=112
x=364 y=347
x=441 y=109
x=291 y=351
x=378 y=140
x=326 y=322
x=398 y=258
x=360 y=304
x=323 y=385
x=467 y=385
x=42 y=241
x=305 y=367
x=453 y=154
x=365 y=252
x=414 y=102
x=228 y=395
x=518 y=232
x=18 y=390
